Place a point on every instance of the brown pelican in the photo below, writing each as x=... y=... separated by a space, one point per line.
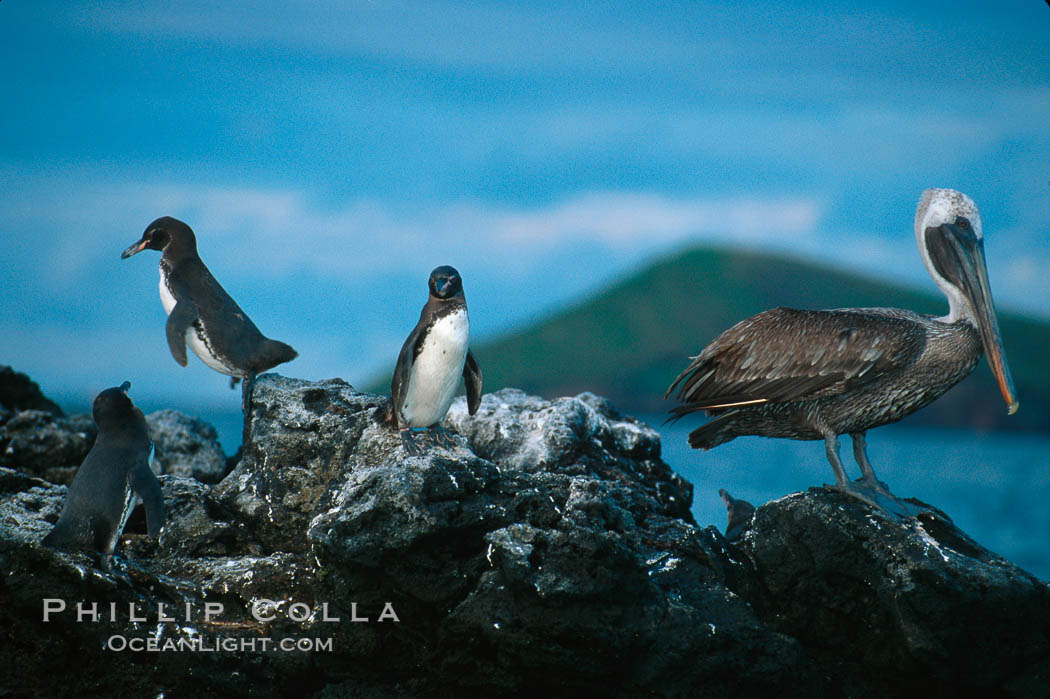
x=818 y=374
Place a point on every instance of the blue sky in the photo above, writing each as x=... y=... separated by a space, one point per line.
x=330 y=154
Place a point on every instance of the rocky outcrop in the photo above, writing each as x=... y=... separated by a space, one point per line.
x=550 y=551
x=40 y=443
x=185 y=446
x=897 y=608
x=18 y=392
x=51 y=446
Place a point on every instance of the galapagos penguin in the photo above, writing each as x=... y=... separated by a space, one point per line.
x=202 y=315
x=738 y=513
x=114 y=473
x=434 y=356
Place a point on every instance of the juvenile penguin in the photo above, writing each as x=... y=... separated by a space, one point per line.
x=202 y=315
x=432 y=359
x=114 y=473
x=739 y=514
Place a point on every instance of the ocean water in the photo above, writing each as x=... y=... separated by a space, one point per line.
x=994 y=486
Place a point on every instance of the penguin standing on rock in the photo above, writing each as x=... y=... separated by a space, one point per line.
x=114 y=473
x=202 y=315
x=432 y=359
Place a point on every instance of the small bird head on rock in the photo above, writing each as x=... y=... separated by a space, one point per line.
x=169 y=235
x=739 y=514
x=445 y=282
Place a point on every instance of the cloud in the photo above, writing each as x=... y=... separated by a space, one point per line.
x=1029 y=270
x=431 y=33
x=702 y=44
x=367 y=234
x=284 y=229
x=635 y=219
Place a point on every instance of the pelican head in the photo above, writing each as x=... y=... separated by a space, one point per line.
x=951 y=241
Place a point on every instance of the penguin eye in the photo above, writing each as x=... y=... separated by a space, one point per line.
x=962 y=223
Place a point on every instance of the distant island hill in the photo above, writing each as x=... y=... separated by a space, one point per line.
x=628 y=341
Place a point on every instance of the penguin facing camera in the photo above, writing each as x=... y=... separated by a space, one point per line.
x=434 y=356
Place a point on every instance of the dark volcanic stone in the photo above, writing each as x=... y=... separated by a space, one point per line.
x=185 y=446
x=893 y=608
x=197 y=525
x=301 y=437
x=550 y=552
x=52 y=447
x=45 y=445
x=18 y=392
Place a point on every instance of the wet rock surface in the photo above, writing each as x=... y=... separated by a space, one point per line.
x=898 y=608
x=550 y=551
x=51 y=446
x=46 y=445
x=185 y=446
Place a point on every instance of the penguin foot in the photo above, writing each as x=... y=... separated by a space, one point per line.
x=409 y=443
x=441 y=438
x=234 y=380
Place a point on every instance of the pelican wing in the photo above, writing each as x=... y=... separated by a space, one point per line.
x=784 y=355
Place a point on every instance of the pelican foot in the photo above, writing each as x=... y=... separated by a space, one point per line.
x=874 y=485
x=409 y=442
x=440 y=437
x=879 y=497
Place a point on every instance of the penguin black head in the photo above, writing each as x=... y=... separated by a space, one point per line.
x=113 y=407
x=445 y=282
x=169 y=235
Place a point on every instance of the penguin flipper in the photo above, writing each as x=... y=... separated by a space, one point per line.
x=472 y=377
x=403 y=370
x=147 y=487
x=179 y=321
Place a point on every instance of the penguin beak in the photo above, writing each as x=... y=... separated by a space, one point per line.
x=125 y=387
x=443 y=285
x=135 y=248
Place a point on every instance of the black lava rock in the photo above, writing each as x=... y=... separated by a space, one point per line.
x=185 y=446
x=551 y=551
x=18 y=392
x=46 y=445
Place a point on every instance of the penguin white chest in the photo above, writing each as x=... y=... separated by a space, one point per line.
x=193 y=340
x=436 y=370
x=166 y=297
x=130 y=500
